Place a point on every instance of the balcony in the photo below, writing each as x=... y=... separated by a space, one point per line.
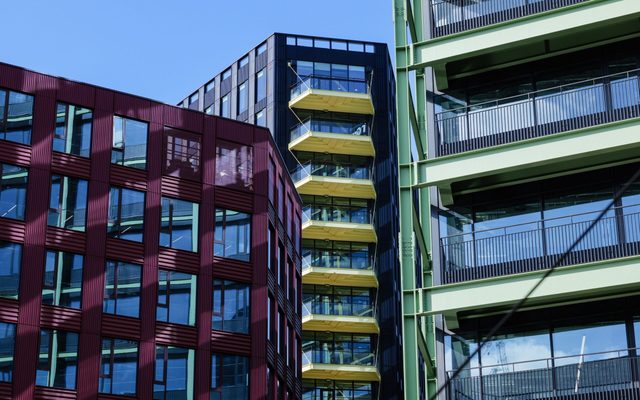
x=327 y=315
x=453 y=16
x=337 y=268
x=331 y=94
x=314 y=178
x=612 y=375
x=335 y=137
x=344 y=223
x=339 y=365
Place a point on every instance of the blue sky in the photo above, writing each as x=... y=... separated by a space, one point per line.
x=163 y=49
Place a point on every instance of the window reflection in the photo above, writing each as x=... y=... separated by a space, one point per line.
x=73 y=130
x=231 y=306
x=57 y=359
x=232 y=235
x=174 y=373
x=13 y=191
x=129 y=146
x=234 y=165
x=7 y=343
x=126 y=214
x=63 y=279
x=176 y=298
x=122 y=289
x=16 y=116
x=118 y=367
x=68 y=202
x=179 y=224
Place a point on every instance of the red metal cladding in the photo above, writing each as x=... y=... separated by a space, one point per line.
x=90 y=322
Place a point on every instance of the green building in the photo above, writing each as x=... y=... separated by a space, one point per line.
x=518 y=122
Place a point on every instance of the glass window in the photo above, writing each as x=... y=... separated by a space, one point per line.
x=270 y=307
x=232 y=238
x=234 y=165
x=209 y=110
x=10 y=258
x=261 y=49
x=16 y=116
x=261 y=118
x=457 y=350
x=179 y=224
x=322 y=44
x=356 y=46
x=193 y=98
x=225 y=106
x=7 y=344
x=304 y=68
x=338 y=45
x=210 y=86
x=68 y=202
x=57 y=359
x=281 y=194
x=261 y=84
x=176 y=298
x=122 y=289
x=514 y=352
x=174 y=372
x=118 y=367
x=601 y=341
x=229 y=377
x=126 y=214
x=62 y=279
x=305 y=42
x=13 y=191
x=291 y=40
x=231 y=306
x=369 y=48
x=270 y=243
x=226 y=74
x=129 y=143
x=73 y=130
x=243 y=97
x=182 y=154
x=243 y=62
x=272 y=180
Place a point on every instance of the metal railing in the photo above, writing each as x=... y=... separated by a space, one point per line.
x=335 y=259
x=336 y=307
x=452 y=16
x=328 y=126
x=544 y=112
x=352 y=214
x=325 y=83
x=596 y=376
x=302 y=171
x=341 y=357
x=538 y=245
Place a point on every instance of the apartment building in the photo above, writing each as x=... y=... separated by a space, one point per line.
x=518 y=126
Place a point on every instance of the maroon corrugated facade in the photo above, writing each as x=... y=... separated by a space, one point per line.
x=36 y=237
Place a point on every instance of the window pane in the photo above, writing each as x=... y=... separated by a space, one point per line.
x=176 y=298
x=122 y=289
x=182 y=154
x=13 y=191
x=73 y=130
x=126 y=214
x=10 y=257
x=179 y=224
x=68 y=202
x=261 y=85
x=225 y=107
x=234 y=165
x=230 y=306
x=232 y=235
x=17 y=118
x=58 y=359
x=229 y=377
x=7 y=343
x=179 y=366
x=118 y=367
x=63 y=279
x=129 y=143
x=243 y=97
x=261 y=118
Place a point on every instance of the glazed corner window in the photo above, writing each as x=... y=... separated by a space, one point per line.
x=118 y=367
x=229 y=377
x=174 y=372
x=243 y=97
x=57 y=359
x=7 y=342
x=73 y=130
x=13 y=191
x=126 y=214
x=68 y=202
x=261 y=85
x=179 y=224
x=176 y=298
x=234 y=165
x=225 y=106
x=62 y=279
x=230 y=306
x=122 y=289
x=261 y=118
x=10 y=258
x=129 y=146
x=182 y=154
x=16 y=116
x=232 y=235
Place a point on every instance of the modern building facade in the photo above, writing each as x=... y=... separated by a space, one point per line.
x=135 y=244
x=518 y=126
x=330 y=105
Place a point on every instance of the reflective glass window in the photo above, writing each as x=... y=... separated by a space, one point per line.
x=243 y=62
x=68 y=202
x=210 y=86
x=10 y=259
x=232 y=238
x=179 y=224
x=193 y=98
x=229 y=377
x=7 y=345
x=234 y=165
x=129 y=146
x=57 y=359
x=122 y=289
x=243 y=97
x=225 y=106
x=231 y=306
x=73 y=130
x=16 y=116
x=182 y=154
x=118 y=367
x=176 y=298
x=13 y=191
x=261 y=118
x=226 y=74
x=174 y=373
x=261 y=85
x=62 y=279
x=126 y=214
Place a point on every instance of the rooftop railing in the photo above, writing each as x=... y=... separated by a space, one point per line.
x=326 y=126
x=325 y=83
x=539 y=245
x=453 y=16
x=595 y=376
x=544 y=112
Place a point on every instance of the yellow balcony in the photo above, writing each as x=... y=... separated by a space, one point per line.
x=335 y=186
x=340 y=323
x=336 y=95
x=313 y=275
x=344 y=231
x=334 y=143
x=345 y=372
